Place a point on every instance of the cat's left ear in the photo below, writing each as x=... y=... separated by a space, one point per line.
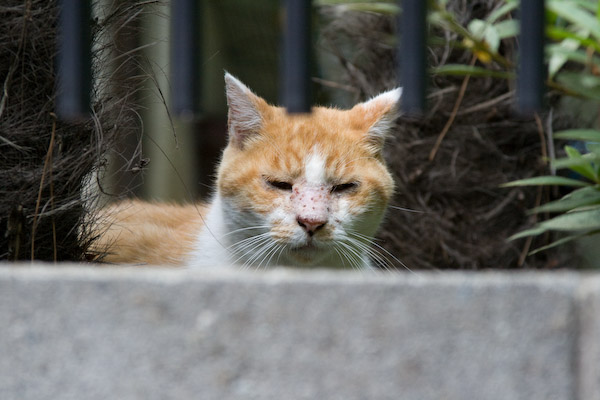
x=244 y=117
x=380 y=114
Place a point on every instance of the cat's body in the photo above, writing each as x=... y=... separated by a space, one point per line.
x=296 y=190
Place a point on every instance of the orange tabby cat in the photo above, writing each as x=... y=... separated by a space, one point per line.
x=295 y=190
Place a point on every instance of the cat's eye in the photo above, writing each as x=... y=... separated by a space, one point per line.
x=281 y=185
x=344 y=187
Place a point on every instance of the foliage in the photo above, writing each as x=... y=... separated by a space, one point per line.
x=45 y=162
x=488 y=39
x=573 y=70
x=580 y=209
x=450 y=163
x=573 y=55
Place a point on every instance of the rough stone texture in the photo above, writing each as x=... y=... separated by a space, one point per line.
x=589 y=339
x=84 y=333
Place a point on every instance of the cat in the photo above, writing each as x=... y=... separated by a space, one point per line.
x=302 y=190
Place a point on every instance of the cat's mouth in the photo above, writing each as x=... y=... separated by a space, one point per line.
x=306 y=254
x=306 y=248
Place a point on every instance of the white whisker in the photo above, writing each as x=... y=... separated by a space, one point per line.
x=409 y=210
x=374 y=255
x=372 y=242
x=355 y=261
x=265 y=246
x=246 y=229
x=249 y=247
x=270 y=252
x=247 y=241
x=284 y=249
x=278 y=250
x=371 y=252
x=340 y=254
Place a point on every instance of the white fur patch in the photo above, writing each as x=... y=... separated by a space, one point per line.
x=387 y=100
x=391 y=97
x=314 y=169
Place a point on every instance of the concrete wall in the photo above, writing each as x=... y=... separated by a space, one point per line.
x=89 y=333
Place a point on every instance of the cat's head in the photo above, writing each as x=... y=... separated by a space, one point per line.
x=310 y=189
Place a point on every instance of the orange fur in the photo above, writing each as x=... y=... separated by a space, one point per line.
x=338 y=133
x=137 y=232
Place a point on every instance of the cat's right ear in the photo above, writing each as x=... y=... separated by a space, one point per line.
x=244 y=117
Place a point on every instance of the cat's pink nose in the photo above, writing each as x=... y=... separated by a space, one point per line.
x=311 y=225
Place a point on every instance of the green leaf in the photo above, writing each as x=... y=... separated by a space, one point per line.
x=560 y=54
x=589 y=135
x=502 y=11
x=557 y=33
x=572 y=201
x=583 y=222
x=575 y=221
x=507 y=28
x=585 y=85
x=477 y=28
x=528 y=232
x=346 y=2
x=577 y=16
x=558 y=242
x=377 y=8
x=582 y=164
x=572 y=152
x=591 y=5
x=462 y=70
x=571 y=50
x=483 y=31
x=594 y=148
x=492 y=38
x=380 y=7
x=545 y=181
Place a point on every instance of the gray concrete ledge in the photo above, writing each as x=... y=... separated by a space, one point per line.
x=90 y=333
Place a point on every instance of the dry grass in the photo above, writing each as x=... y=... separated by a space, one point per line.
x=44 y=161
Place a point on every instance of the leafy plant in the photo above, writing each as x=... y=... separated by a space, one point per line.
x=574 y=71
x=580 y=209
x=573 y=59
x=573 y=26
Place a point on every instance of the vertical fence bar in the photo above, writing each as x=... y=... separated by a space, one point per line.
x=185 y=57
x=531 y=77
x=73 y=60
x=411 y=51
x=295 y=69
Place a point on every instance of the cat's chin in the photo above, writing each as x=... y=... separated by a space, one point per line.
x=308 y=254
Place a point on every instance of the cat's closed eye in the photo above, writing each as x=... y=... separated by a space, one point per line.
x=344 y=187
x=281 y=185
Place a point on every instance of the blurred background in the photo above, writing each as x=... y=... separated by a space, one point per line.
x=173 y=159
x=454 y=182
x=450 y=164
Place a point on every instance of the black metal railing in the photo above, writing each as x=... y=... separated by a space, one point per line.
x=73 y=96
x=295 y=65
x=73 y=60
x=185 y=56
x=532 y=73
x=412 y=71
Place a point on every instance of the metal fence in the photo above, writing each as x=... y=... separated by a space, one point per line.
x=74 y=75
